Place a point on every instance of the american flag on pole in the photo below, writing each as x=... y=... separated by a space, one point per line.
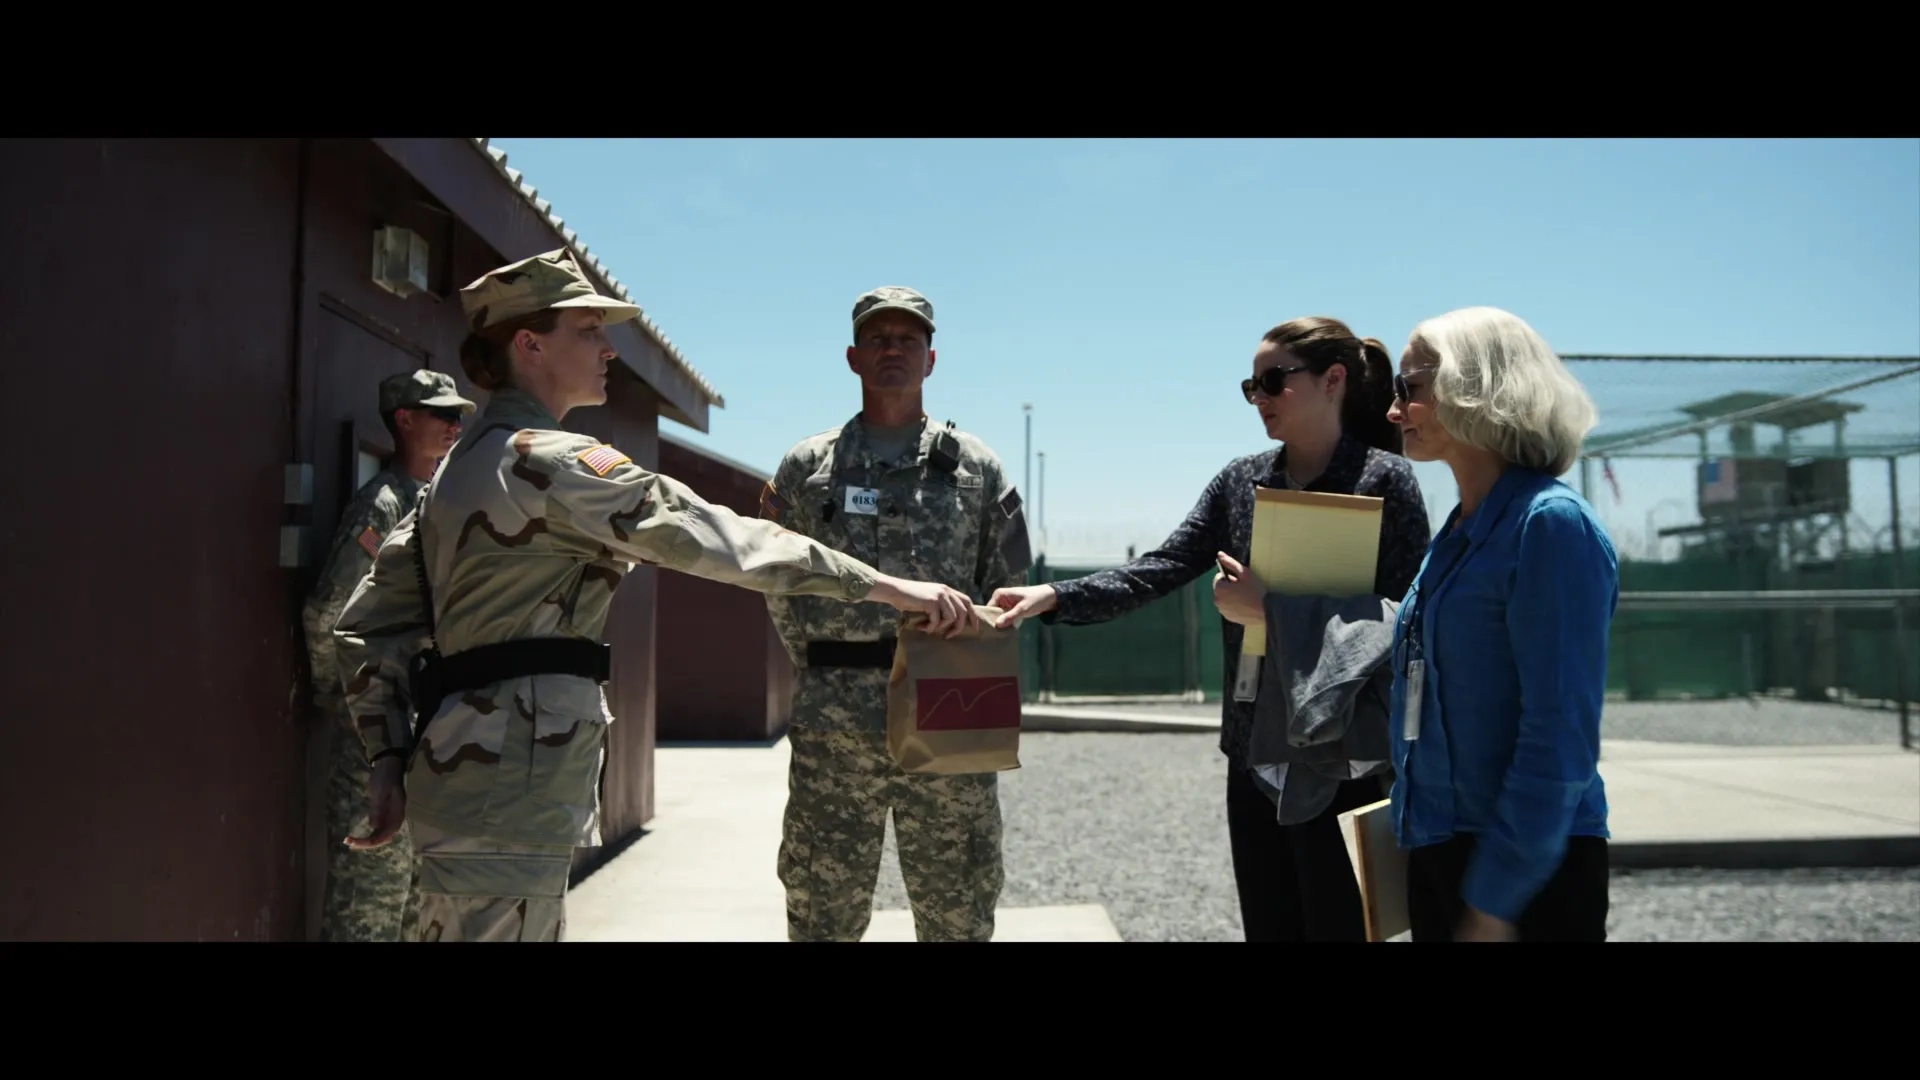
x=1717 y=483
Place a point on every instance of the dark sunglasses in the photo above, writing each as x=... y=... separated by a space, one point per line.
x=1270 y=382
x=444 y=413
x=1403 y=392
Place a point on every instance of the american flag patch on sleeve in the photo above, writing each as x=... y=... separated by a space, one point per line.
x=771 y=504
x=370 y=541
x=601 y=459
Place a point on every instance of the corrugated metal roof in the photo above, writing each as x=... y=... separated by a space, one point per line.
x=592 y=262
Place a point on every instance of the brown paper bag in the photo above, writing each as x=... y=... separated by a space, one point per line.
x=953 y=704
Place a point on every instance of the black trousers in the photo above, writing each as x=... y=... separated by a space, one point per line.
x=1296 y=882
x=1571 y=907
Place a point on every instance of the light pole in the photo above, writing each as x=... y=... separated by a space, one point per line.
x=1042 y=500
x=1026 y=483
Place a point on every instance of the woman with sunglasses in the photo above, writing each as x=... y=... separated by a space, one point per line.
x=1500 y=650
x=1324 y=394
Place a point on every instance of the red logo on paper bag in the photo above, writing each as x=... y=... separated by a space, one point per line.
x=969 y=704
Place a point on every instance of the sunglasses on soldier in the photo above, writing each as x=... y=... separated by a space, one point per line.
x=444 y=413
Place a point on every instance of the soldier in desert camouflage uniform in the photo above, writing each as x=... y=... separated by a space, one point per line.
x=923 y=500
x=525 y=533
x=370 y=895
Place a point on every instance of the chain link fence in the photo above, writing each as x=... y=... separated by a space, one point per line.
x=1770 y=548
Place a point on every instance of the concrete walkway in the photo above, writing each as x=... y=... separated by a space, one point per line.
x=705 y=869
x=1662 y=792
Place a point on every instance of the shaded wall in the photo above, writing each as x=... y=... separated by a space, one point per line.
x=630 y=421
x=724 y=675
x=211 y=299
x=149 y=790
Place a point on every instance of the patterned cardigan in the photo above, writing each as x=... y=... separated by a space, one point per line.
x=1222 y=520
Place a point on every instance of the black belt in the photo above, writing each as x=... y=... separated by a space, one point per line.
x=860 y=654
x=485 y=664
x=433 y=678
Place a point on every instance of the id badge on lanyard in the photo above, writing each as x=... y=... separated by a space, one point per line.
x=1416 y=693
x=1416 y=676
x=1417 y=652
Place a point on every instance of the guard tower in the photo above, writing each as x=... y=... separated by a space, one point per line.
x=1789 y=496
x=1773 y=459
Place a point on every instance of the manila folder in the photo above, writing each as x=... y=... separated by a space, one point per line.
x=1380 y=866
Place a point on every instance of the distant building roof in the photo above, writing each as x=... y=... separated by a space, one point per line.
x=1798 y=415
x=694 y=447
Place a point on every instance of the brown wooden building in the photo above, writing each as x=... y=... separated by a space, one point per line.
x=193 y=333
x=723 y=676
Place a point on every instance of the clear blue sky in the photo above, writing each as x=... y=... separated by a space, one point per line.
x=1120 y=287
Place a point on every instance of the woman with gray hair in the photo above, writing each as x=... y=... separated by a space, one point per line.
x=1500 y=651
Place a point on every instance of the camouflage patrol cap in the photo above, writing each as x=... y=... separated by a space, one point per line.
x=892 y=298
x=550 y=280
x=421 y=389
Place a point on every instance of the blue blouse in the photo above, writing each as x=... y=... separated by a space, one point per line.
x=1510 y=618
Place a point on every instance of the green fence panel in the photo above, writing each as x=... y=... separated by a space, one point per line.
x=1854 y=651
x=1140 y=653
x=1032 y=636
x=1868 y=658
x=1173 y=646
x=1660 y=654
x=1211 y=651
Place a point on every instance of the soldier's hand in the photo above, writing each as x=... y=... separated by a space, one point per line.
x=387 y=803
x=1023 y=602
x=946 y=608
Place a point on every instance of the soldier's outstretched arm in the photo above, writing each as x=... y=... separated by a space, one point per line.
x=602 y=501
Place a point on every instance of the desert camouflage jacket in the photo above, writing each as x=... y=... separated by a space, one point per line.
x=527 y=531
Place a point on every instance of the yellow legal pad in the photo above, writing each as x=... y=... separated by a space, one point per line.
x=1312 y=543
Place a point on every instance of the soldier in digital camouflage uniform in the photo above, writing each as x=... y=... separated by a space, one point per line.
x=370 y=895
x=525 y=533
x=914 y=498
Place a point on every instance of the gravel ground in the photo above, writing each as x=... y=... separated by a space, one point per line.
x=1750 y=723
x=1863 y=904
x=1137 y=822
x=1766 y=722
